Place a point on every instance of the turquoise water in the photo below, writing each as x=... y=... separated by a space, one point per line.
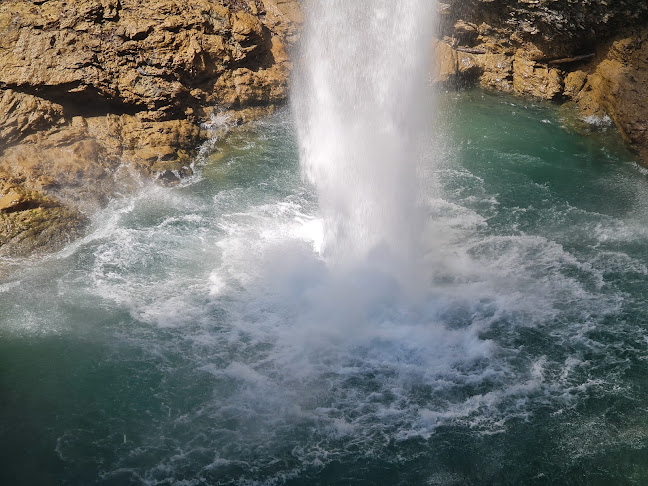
x=196 y=337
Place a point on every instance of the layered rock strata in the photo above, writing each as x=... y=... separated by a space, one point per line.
x=591 y=53
x=95 y=93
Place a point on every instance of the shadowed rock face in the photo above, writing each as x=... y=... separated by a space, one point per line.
x=591 y=53
x=557 y=27
x=95 y=91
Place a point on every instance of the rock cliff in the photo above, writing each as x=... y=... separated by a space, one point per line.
x=589 y=53
x=96 y=93
x=94 y=90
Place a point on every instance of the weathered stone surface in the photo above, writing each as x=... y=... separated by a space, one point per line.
x=13 y=201
x=592 y=52
x=557 y=28
x=617 y=87
x=30 y=223
x=96 y=92
x=533 y=80
x=497 y=71
x=574 y=82
x=161 y=55
x=22 y=114
x=445 y=67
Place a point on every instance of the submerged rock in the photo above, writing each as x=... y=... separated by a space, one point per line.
x=96 y=92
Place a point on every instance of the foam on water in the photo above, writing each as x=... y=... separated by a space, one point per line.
x=242 y=356
x=303 y=366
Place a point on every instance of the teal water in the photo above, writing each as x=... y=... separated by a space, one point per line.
x=196 y=337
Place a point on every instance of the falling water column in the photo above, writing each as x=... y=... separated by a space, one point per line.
x=358 y=100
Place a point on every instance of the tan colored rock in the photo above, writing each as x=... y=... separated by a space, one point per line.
x=497 y=71
x=41 y=229
x=284 y=17
x=574 y=82
x=161 y=56
x=30 y=222
x=532 y=80
x=451 y=66
x=617 y=88
x=22 y=114
x=444 y=66
x=463 y=27
x=93 y=89
x=12 y=201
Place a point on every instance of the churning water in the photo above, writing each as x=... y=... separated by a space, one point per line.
x=254 y=327
x=197 y=336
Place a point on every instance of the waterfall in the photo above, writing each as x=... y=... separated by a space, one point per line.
x=358 y=101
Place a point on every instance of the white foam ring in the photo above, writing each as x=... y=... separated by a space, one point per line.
x=313 y=351
x=313 y=342
x=332 y=363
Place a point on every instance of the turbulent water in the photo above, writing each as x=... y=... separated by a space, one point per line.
x=197 y=336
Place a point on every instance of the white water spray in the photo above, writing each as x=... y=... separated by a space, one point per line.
x=360 y=114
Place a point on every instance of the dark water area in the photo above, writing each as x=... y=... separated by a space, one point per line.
x=197 y=337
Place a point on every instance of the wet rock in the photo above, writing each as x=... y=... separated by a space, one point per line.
x=38 y=230
x=453 y=66
x=616 y=87
x=497 y=71
x=30 y=223
x=445 y=67
x=14 y=200
x=96 y=93
x=574 y=82
x=591 y=54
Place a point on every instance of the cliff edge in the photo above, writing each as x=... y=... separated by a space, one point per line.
x=95 y=92
x=592 y=54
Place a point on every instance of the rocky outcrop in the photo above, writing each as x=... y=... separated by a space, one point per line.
x=91 y=90
x=615 y=85
x=96 y=93
x=590 y=53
